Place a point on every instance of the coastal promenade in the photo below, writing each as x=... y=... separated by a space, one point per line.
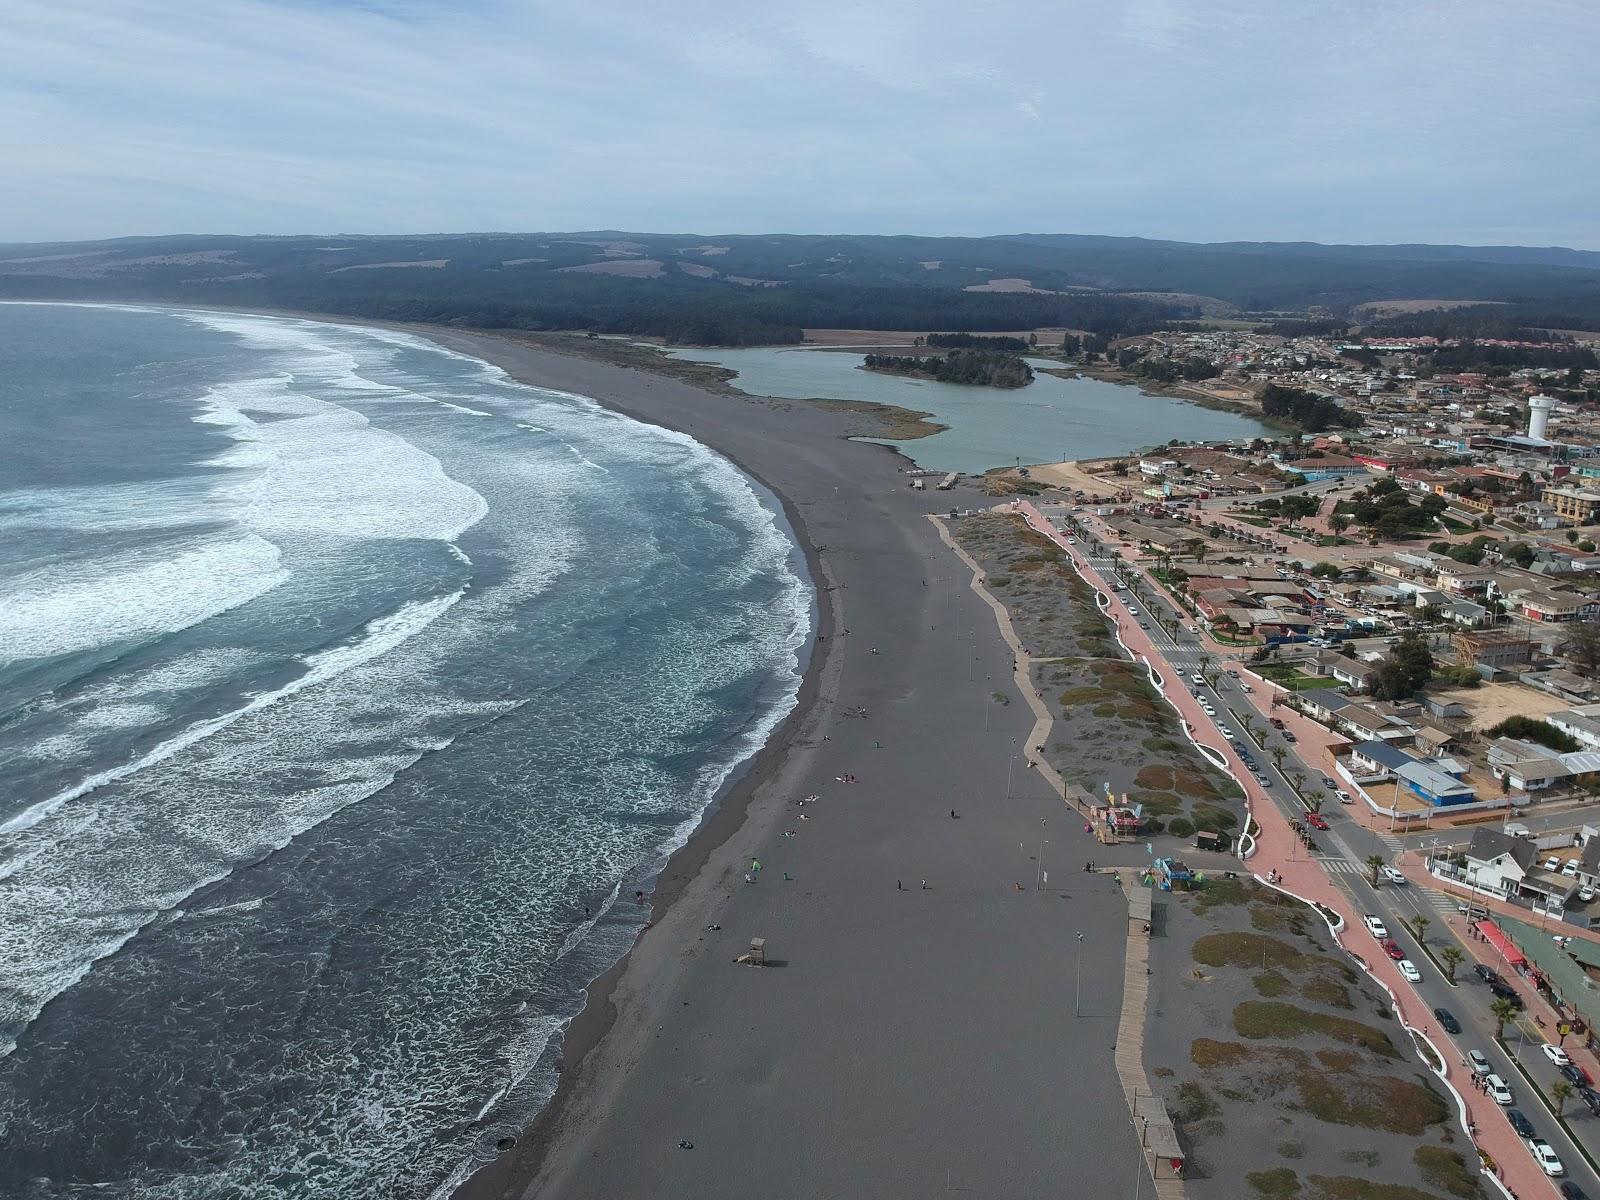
x=906 y=1038
x=1275 y=853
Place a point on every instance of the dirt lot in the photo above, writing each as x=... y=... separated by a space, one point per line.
x=1299 y=1084
x=1492 y=703
x=1112 y=727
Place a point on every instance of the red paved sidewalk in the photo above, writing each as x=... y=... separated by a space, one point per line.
x=1277 y=848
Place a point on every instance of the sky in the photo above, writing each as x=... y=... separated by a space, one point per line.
x=1471 y=121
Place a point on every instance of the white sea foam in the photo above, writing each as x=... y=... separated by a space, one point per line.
x=76 y=605
x=380 y=636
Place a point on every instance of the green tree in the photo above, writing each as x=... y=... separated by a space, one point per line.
x=1375 y=864
x=1419 y=926
x=1408 y=666
x=1560 y=1092
x=1583 y=646
x=1502 y=1011
x=1451 y=958
x=1339 y=522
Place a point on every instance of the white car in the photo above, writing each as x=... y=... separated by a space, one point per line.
x=1548 y=1162
x=1409 y=970
x=1556 y=1055
x=1225 y=732
x=1498 y=1091
x=1553 y=863
x=1197 y=679
x=1132 y=611
x=1376 y=927
x=1586 y=893
x=1480 y=1064
x=1391 y=875
x=1570 y=867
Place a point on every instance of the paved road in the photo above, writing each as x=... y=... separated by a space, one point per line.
x=1342 y=852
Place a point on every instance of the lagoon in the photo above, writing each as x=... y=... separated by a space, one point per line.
x=1049 y=420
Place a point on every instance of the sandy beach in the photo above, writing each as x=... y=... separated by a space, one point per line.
x=907 y=1037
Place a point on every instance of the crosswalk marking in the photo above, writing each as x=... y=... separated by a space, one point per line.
x=1389 y=840
x=1342 y=866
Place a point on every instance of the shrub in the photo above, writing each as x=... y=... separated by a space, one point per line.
x=1180 y=827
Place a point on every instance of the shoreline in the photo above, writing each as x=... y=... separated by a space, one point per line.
x=721 y=819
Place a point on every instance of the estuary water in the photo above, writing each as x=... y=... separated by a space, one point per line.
x=348 y=691
x=1049 y=420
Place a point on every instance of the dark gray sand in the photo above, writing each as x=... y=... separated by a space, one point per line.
x=1310 y=1077
x=910 y=1037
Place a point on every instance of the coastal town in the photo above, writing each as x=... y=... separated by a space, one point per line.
x=1386 y=633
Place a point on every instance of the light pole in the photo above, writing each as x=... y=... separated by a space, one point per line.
x=1038 y=867
x=1077 y=993
x=1010 y=763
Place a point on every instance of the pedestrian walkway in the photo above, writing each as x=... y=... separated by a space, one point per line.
x=1275 y=850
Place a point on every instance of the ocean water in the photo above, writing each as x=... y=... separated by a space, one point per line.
x=1050 y=420
x=348 y=691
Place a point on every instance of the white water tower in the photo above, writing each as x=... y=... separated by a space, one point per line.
x=1539 y=415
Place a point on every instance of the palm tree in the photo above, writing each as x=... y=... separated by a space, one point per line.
x=1502 y=1011
x=1451 y=957
x=1419 y=926
x=1375 y=864
x=1560 y=1092
x=1315 y=803
x=1278 y=753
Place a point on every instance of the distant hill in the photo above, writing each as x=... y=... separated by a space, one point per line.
x=742 y=288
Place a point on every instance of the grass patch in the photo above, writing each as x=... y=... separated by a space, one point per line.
x=1261 y=1019
x=1194 y=1102
x=1158 y=778
x=1370 y=1101
x=1209 y=816
x=1161 y=804
x=1345 y=1187
x=1220 y=891
x=1447 y=1171
x=1280 y=1183
x=1210 y=1053
x=1247 y=950
x=1325 y=991
x=1270 y=983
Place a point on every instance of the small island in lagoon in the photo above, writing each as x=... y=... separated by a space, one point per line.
x=988 y=368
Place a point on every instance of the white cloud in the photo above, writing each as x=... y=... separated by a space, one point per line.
x=1355 y=119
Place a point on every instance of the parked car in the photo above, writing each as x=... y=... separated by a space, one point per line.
x=1553 y=863
x=1486 y=973
x=1391 y=875
x=1392 y=949
x=1329 y=784
x=1408 y=969
x=1288 y=736
x=1447 y=1021
x=1132 y=611
x=1577 y=1074
x=1549 y=1162
x=1591 y=1099
x=1197 y=679
x=1570 y=867
x=1585 y=894
x=1497 y=1090
x=1225 y=731
x=1375 y=927
x=1317 y=821
x=1520 y=1123
x=1275 y=722
x=1556 y=1054
x=1571 y=1191
x=1504 y=991
x=1344 y=798
x=1263 y=781
x=1480 y=1064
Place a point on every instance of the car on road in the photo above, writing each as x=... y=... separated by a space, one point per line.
x=1375 y=927
x=1409 y=970
x=1486 y=973
x=1288 y=736
x=1225 y=731
x=1591 y=1099
x=1275 y=722
x=1197 y=679
x=1480 y=1064
x=1498 y=1091
x=1144 y=625
x=1392 y=949
x=1132 y=611
x=1577 y=1074
x=1329 y=784
x=1571 y=1191
x=1520 y=1123
x=1556 y=1054
x=1549 y=1162
x=1317 y=821
x=1447 y=1020
x=1344 y=798
x=1263 y=780
x=1391 y=875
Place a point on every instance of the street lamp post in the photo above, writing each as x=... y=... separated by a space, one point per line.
x=1077 y=994
x=1038 y=867
x=1010 y=763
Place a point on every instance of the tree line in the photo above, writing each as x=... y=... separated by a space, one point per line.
x=970 y=341
x=990 y=368
x=1307 y=410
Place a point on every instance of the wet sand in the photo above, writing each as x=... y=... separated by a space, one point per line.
x=902 y=1040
